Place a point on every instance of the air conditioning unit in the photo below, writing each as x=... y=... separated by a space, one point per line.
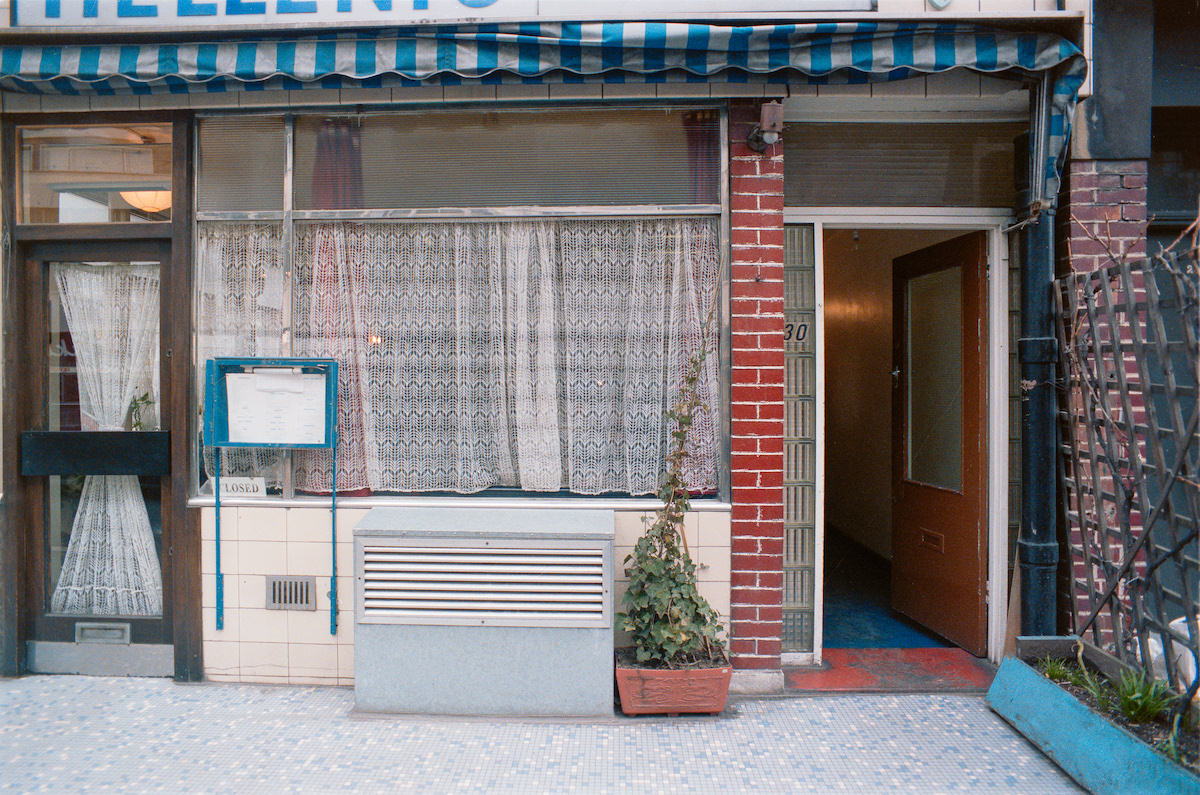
x=484 y=611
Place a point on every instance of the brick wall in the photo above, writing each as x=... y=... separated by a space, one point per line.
x=1104 y=210
x=756 y=303
x=1102 y=218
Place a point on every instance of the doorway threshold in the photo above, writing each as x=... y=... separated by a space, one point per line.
x=928 y=670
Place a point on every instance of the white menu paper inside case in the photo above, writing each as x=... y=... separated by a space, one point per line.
x=276 y=406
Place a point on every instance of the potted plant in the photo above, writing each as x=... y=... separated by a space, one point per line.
x=678 y=662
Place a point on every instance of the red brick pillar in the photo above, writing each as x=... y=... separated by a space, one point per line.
x=1102 y=219
x=1105 y=212
x=756 y=390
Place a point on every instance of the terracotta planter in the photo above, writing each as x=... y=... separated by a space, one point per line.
x=656 y=691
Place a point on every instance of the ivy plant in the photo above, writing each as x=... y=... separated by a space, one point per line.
x=671 y=624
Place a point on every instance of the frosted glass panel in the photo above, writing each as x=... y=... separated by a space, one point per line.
x=241 y=164
x=514 y=158
x=934 y=342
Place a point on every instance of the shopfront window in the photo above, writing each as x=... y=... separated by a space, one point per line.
x=535 y=344
x=87 y=174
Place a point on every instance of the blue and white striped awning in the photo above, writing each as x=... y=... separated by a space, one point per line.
x=564 y=52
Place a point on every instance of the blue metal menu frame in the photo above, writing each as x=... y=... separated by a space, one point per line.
x=216 y=435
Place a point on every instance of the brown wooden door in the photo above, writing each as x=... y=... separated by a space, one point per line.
x=100 y=569
x=939 y=549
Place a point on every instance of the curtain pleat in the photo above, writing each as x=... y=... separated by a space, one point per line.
x=541 y=355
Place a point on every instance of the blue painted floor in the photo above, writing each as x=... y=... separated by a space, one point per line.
x=91 y=734
x=858 y=613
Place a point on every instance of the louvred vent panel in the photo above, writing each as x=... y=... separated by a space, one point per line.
x=515 y=586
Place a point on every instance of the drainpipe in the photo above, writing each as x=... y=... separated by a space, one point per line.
x=1037 y=543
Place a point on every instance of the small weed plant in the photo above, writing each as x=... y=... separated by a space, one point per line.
x=1056 y=669
x=1142 y=698
x=672 y=625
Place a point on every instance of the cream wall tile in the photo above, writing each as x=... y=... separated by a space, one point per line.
x=64 y=102
x=468 y=93
x=345 y=626
x=208 y=590
x=629 y=91
x=509 y=91
x=717 y=594
x=309 y=558
x=264 y=679
x=212 y=99
x=262 y=557
x=714 y=529
x=345 y=593
x=309 y=524
x=910 y=87
x=261 y=524
x=252 y=590
x=162 y=101
x=856 y=90
x=219 y=677
x=313 y=659
x=628 y=527
x=208 y=623
x=229 y=557
x=575 y=91
x=17 y=103
x=263 y=99
x=366 y=95
x=115 y=102
x=221 y=658
x=346 y=520
x=670 y=90
x=691 y=530
x=263 y=626
x=736 y=89
x=345 y=662
x=417 y=94
x=308 y=626
x=315 y=96
x=954 y=83
x=714 y=564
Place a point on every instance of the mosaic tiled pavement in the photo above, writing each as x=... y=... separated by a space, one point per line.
x=71 y=733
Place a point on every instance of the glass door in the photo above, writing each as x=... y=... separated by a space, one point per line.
x=97 y=457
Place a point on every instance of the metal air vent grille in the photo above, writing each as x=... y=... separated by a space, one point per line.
x=291 y=593
x=504 y=586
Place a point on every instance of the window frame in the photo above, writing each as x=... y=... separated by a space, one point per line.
x=289 y=218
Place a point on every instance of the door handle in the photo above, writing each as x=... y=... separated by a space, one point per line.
x=896 y=378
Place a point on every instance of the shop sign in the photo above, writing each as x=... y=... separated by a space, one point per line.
x=177 y=14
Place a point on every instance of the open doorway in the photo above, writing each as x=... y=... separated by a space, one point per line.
x=888 y=557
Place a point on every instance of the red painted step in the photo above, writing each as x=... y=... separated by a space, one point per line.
x=893 y=671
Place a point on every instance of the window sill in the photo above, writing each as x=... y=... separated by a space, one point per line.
x=559 y=502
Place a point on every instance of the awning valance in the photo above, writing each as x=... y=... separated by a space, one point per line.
x=564 y=52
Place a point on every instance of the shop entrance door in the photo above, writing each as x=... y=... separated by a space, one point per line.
x=95 y=459
x=939 y=453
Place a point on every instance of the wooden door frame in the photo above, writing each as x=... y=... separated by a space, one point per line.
x=992 y=221
x=17 y=553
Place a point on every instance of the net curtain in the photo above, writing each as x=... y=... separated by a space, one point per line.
x=536 y=354
x=111 y=566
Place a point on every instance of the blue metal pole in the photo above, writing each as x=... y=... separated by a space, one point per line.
x=333 y=596
x=217 y=533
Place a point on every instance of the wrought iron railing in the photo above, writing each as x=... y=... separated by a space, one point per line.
x=1130 y=459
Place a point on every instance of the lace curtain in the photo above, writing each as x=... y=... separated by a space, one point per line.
x=536 y=354
x=111 y=566
x=241 y=295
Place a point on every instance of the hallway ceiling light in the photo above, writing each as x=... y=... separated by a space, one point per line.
x=148 y=201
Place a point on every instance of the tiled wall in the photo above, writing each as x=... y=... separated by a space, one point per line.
x=295 y=646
